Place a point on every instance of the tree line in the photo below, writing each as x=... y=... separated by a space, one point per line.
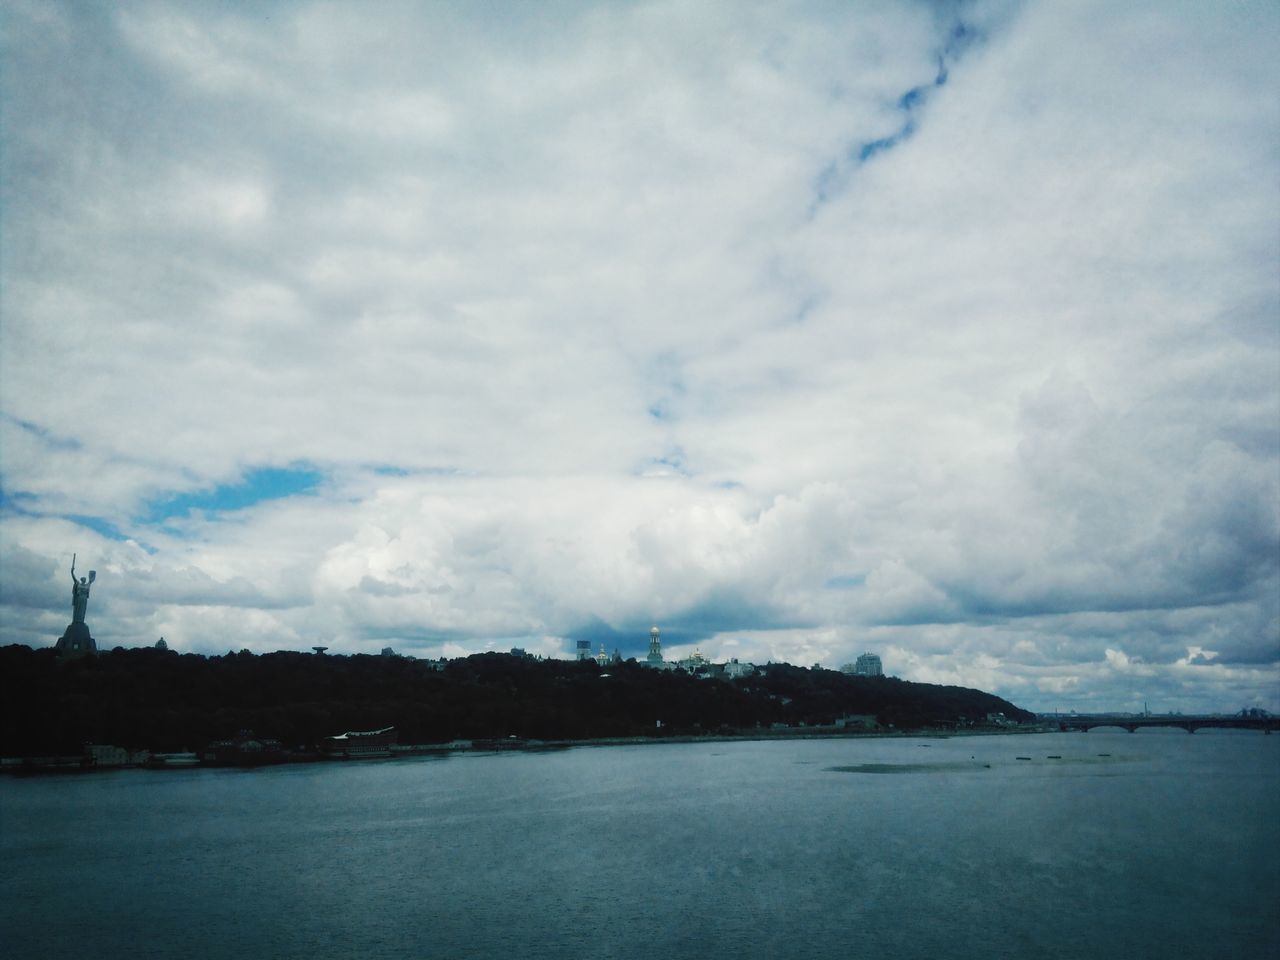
x=165 y=701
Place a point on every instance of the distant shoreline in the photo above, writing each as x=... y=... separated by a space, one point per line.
x=816 y=733
x=35 y=766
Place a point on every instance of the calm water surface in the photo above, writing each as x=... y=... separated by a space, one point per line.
x=942 y=848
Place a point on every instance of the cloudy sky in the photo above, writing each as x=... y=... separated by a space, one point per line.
x=949 y=331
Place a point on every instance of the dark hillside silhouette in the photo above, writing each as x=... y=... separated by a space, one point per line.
x=162 y=700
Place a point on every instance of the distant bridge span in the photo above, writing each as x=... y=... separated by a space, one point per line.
x=1189 y=724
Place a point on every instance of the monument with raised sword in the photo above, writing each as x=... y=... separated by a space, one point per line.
x=76 y=640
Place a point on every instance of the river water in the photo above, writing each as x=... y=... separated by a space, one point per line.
x=1101 y=845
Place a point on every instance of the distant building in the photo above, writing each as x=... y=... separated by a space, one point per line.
x=602 y=658
x=856 y=721
x=161 y=645
x=244 y=750
x=734 y=669
x=388 y=652
x=105 y=755
x=867 y=665
x=695 y=662
x=584 y=649
x=361 y=743
x=655 y=646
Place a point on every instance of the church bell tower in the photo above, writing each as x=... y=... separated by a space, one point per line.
x=655 y=646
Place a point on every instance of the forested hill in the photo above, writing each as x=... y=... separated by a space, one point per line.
x=162 y=700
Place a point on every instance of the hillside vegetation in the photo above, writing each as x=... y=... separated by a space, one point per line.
x=162 y=700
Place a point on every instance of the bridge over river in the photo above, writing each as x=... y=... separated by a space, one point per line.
x=1240 y=721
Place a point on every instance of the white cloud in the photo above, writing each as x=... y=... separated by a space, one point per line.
x=640 y=336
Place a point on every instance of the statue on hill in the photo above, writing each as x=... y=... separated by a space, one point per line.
x=75 y=640
x=80 y=592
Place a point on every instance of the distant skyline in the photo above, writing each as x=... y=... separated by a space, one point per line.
x=949 y=331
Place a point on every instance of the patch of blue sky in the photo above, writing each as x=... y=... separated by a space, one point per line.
x=832 y=177
x=913 y=97
x=391 y=470
x=17 y=502
x=962 y=37
x=869 y=149
x=24 y=504
x=98 y=525
x=256 y=486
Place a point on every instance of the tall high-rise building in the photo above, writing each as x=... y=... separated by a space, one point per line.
x=584 y=649
x=868 y=665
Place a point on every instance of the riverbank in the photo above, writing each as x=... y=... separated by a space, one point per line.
x=170 y=702
x=141 y=760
